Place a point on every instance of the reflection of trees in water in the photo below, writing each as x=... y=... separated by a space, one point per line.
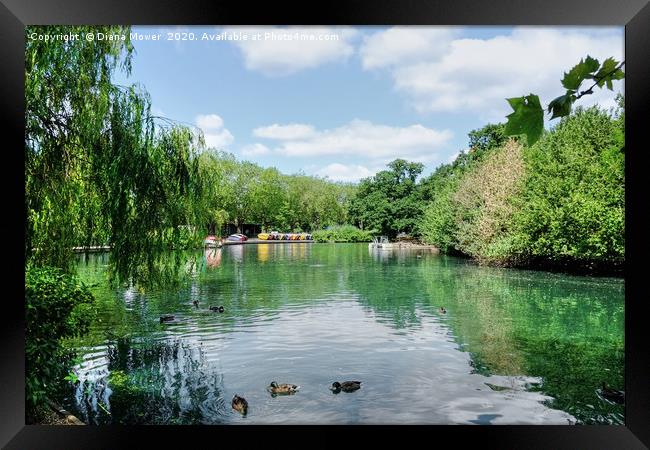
x=390 y=288
x=574 y=370
x=478 y=301
x=567 y=330
x=153 y=382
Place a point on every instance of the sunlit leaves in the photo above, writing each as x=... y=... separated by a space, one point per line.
x=98 y=170
x=527 y=118
x=390 y=201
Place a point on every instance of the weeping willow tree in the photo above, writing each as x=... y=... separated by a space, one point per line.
x=100 y=169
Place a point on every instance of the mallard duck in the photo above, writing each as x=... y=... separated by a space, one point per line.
x=442 y=310
x=166 y=318
x=282 y=389
x=217 y=308
x=345 y=386
x=196 y=303
x=239 y=404
x=612 y=394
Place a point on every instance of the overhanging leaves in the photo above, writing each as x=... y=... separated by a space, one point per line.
x=561 y=106
x=581 y=71
x=608 y=72
x=527 y=118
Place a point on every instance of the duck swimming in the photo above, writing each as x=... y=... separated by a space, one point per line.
x=239 y=404
x=196 y=303
x=166 y=318
x=612 y=394
x=217 y=308
x=442 y=310
x=345 y=386
x=282 y=389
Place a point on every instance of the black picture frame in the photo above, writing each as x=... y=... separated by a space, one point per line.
x=633 y=14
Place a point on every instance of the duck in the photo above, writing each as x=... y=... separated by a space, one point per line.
x=345 y=386
x=239 y=404
x=217 y=309
x=282 y=389
x=442 y=310
x=612 y=394
x=166 y=318
x=196 y=303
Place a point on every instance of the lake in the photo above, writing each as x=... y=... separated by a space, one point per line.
x=513 y=347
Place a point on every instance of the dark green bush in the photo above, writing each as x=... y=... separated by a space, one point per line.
x=58 y=306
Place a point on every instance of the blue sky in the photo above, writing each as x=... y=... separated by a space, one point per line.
x=346 y=100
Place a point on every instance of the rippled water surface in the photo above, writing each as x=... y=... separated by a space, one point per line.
x=513 y=346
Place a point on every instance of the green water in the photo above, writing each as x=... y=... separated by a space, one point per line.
x=514 y=347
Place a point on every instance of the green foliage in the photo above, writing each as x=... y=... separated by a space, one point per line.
x=528 y=117
x=343 y=233
x=579 y=73
x=471 y=212
x=561 y=206
x=438 y=225
x=242 y=192
x=389 y=201
x=483 y=205
x=98 y=170
x=573 y=204
x=484 y=139
x=57 y=307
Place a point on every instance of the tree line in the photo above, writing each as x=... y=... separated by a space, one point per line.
x=241 y=192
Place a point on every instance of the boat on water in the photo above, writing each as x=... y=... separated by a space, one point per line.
x=212 y=242
x=275 y=236
x=237 y=237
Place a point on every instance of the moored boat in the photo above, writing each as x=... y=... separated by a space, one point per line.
x=212 y=242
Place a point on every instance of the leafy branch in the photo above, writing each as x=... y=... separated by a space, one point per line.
x=528 y=115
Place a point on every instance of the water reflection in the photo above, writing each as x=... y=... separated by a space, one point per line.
x=514 y=346
x=399 y=254
x=212 y=257
x=149 y=382
x=236 y=252
x=263 y=252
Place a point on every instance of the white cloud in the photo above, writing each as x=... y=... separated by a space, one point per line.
x=476 y=75
x=283 y=51
x=285 y=132
x=371 y=142
x=453 y=157
x=342 y=172
x=399 y=45
x=255 y=150
x=209 y=121
x=216 y=136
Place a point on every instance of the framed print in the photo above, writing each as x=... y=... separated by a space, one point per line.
x=352 y=218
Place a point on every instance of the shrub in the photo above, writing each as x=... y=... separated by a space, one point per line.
x=343 y=233
x=484 y=205
x=57 y=307
x=438 y=225
x=574 y=193
x=557 y=204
